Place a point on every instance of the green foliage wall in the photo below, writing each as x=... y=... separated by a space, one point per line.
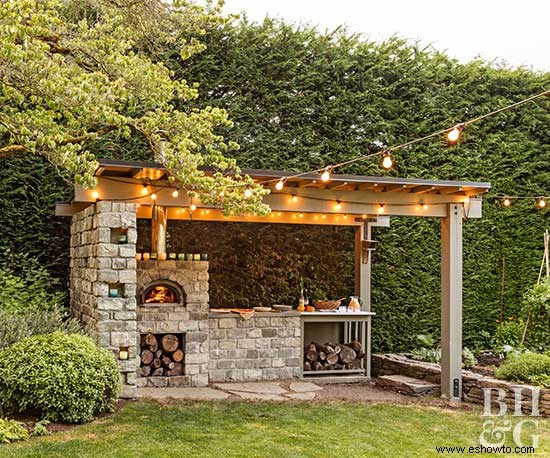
x=301 y=99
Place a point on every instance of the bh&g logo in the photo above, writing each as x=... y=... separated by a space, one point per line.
x=496 y=430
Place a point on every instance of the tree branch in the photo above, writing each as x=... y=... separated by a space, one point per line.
x=12 y=150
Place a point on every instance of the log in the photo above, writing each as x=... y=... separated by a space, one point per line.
x=332 y=358
x=158 y=354
x=316 y=366
x=311 y=347
x=337 y=349
x=311 y=356
x=347 y=355
x=145 y=371
x=156 y=363
x=176 y=370
x=360 y=355
x=170 y=342
x=177 y=356
x=166 y=360
x=329 y=349
x=355 y=345
x=150 y=339
x=154 y=348
x=158 y=372
x=307 y=366
x=146 y=357
x=322 y=356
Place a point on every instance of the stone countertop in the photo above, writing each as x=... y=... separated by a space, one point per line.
x=290 y=313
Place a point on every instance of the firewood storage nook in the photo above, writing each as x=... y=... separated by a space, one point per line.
x=157 y=308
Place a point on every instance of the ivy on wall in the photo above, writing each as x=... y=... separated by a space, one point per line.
x=301 y=99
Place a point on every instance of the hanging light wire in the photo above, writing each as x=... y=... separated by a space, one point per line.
x=414 y=141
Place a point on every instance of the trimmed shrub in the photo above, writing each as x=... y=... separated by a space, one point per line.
x=63 y=377
x=531 y=368
x=11 y=430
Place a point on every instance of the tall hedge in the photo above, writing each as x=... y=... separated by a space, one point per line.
x=301 y=99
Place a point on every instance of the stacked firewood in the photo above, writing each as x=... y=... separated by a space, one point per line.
x=161 y=355
x=333 y=357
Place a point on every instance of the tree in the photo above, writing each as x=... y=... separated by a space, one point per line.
x=73 y=73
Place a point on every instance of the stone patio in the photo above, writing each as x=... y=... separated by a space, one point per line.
x=289 y=390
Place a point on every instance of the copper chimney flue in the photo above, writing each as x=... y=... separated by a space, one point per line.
x=158 y=227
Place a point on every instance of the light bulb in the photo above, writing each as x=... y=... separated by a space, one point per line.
x=424 y=206
x=380 y=209
x=279 y=214
x=280 y=184
x=175 y=193
x=144 y=190
x=324 y=216
x=506 y=202
x=153 y=196
x=454 y=134
x=294 y=198
x=338 y=205
x=541 y=203
x=387 y=162
x=248 y=193
x=95 y=194
x=192 y=207
x=325 y=175
x=301 y=215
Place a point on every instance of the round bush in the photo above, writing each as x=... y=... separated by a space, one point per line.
x=527 y=367
x=64 y=377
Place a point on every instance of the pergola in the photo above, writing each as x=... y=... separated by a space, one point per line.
x=348 y=200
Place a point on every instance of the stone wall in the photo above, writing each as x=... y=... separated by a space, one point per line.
x=264 y=347
x=189 y=317
x=472 y=383
x=99 y=263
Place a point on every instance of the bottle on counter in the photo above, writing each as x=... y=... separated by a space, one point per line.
x=301 y=301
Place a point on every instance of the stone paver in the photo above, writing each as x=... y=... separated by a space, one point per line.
x=252 y=387
x=304 y=387
x=195 y=394
x=258 y=396
x=406 y=385
x=309 y=396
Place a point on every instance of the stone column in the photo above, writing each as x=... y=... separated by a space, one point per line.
x=100 y=266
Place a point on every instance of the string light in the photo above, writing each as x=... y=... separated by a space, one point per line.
x=325 y=176
x=387 y=161
x=380 y=209
x=424 y=206
x=294 y=198
x=541 y=202
x=248 y=193
x=338 y=205
x=454 y=134
x=280 y=184
x=324 y=216
x=144 y=190
x=192 y=207
x=506 y=202
x=95 y=194
x=153 y=196
x=175 y=193
x=301 y=215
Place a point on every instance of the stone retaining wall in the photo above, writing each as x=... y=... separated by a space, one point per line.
x=472 y=383
x=265 y=347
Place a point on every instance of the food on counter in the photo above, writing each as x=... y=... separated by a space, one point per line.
x=310 y=308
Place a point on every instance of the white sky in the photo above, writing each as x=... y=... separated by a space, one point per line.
x=515 y=31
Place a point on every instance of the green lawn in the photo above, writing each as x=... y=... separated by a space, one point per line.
x=224 y=429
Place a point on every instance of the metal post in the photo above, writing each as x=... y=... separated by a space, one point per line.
x=451 y=303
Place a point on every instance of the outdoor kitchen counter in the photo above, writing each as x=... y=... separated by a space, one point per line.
x=290 y=313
